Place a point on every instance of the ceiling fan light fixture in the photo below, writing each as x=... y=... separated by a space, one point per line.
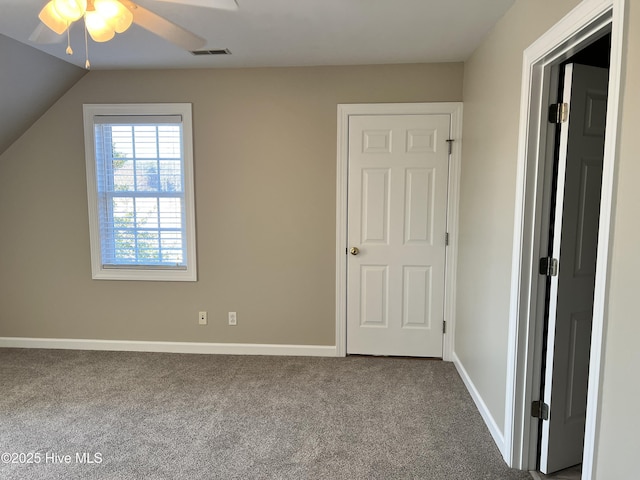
x=123 y=20
x=104 y=18
x=50 y=17
x=70 y=10
x=115 y=13
x=98 y=27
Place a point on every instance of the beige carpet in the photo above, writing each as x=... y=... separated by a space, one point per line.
x=171 y=416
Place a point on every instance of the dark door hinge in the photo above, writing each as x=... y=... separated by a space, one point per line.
x=558 y=112
x=540 y=410
x=450 y=144
x=548 y=267
x=444 y=326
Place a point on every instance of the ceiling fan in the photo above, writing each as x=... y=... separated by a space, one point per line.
x=104 y=18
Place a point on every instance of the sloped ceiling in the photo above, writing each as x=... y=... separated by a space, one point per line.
x=30 y=82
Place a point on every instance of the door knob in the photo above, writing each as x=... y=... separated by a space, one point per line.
x=354 y=251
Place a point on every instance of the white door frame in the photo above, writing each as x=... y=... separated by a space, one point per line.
x=590 y=19
x=454 y=109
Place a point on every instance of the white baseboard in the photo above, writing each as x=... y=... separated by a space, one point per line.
x=170 y=347
x=497 y=435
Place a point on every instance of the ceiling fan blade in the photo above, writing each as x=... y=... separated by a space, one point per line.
x=219 y=4
x=44 y=35
x=164 y=28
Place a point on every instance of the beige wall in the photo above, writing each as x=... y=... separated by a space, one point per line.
x=492 y=101
x=618 y=444
x=491 y=96
x=265 y=156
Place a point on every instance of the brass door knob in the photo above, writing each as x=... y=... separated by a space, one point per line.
x=354 y=251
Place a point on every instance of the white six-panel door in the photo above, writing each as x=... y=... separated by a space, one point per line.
x=397 y=210
x=575 y=245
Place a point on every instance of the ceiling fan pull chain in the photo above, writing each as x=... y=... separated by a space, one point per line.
x=87 y=65
x=69 y=50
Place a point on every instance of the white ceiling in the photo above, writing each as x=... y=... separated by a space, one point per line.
x=284 y=33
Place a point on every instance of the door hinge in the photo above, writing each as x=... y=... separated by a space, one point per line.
x=548 y=266
x=444 y=326
x=558 y=112
x=450 y=144
x=446 y=239
x=540 y=410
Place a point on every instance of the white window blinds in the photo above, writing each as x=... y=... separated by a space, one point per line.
x=140 y=192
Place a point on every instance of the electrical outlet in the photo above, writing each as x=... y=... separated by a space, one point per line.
x=233 y=318
x=202 y=318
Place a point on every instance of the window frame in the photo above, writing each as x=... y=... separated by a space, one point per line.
x=140 y=272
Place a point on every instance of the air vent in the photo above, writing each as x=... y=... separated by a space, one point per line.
x=221 y=51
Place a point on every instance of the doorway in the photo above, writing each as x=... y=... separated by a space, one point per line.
x=590 y=21
x=569 y=258
x=414 y=139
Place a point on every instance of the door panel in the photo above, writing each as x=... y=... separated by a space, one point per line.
x=587 y=228
x=375 y=206
x=419 y=207
x=580 y=337
x=397 y=197
x=374 y=296
x=417 y=289
x=574 y=245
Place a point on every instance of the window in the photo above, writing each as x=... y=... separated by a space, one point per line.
x=140 y=191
